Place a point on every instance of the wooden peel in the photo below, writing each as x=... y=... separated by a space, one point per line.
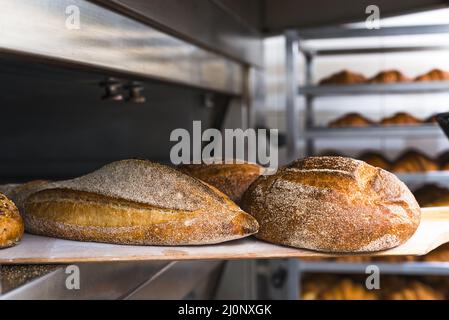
x=432 y=232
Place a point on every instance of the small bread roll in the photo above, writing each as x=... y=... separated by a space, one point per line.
x=11 y=224
x=333 y=204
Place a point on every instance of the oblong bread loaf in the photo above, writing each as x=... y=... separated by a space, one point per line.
x=136 y=202
x=333 y=204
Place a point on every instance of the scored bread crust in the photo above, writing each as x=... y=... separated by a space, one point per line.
x=136 y=202
x=11 y=223
x=333 y=204
x=231 y=179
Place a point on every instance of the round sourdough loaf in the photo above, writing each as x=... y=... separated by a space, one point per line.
x=333 y=204
x=11 y=224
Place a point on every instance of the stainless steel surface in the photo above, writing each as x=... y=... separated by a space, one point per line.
x=292 y=109
x=120 y=280
x=256 y=95
x=112 y=42
x=347 y=51
x=97 y=281
x=375 y=89
x=238 y=281
x=346 y=32
x=14 y=276
x=228 y=27
x=281 y=279
x=177 y=281
x=401 y=268
x=424 y=177
x=69 y=131
x=282 y=14
x=417 y=131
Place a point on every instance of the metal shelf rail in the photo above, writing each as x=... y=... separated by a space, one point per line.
x=114 y=43
x=422 y=177
x=375 y=89
x=308 y=131
x=294 y=45
x=400 y=268
x=417 y=131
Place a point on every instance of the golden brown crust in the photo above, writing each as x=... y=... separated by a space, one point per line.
x=415 y=290
x=136 y=202
x=434 y=75
x=400 y=118
x=346 y=289
x=414 y=161
x=11 y=224
x=231 y=179
x=333 y=204
x=389 y=76
x=344 y=77
x=375 y=159
x=351 y=120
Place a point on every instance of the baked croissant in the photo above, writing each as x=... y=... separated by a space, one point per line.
x=434 y=75
x=375 y=159
x=344 y=77
x=414 y=161
x=350 y=120
x=389 y=76
x=348 y=290
x=400 y=118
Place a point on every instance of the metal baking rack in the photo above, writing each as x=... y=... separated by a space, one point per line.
x=308 y=132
